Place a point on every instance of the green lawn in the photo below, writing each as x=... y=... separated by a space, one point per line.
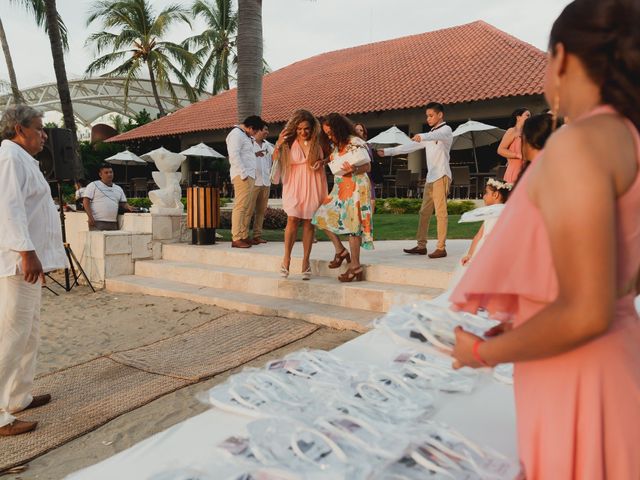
x=387 y=226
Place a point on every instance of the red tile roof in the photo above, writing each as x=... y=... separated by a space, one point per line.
x=466 y=63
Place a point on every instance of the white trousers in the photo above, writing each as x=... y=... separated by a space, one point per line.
x=19 y=340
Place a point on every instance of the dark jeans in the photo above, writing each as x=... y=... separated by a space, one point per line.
x=104 y=226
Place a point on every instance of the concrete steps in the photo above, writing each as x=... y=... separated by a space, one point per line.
x=340 y=318
x=253 y=259
x=366 y=295
x=249 y=281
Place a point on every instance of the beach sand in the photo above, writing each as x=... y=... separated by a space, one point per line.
x=80 y=325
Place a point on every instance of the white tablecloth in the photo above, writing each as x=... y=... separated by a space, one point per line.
x=486 y=416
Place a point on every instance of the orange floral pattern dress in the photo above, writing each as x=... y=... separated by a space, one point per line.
x=347 y=208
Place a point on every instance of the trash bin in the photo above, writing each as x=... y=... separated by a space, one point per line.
x=203 y=214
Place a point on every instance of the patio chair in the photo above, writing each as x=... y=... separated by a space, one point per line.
x=403 y=180
x=461 y=179
x=413 y=184
x=139 y=187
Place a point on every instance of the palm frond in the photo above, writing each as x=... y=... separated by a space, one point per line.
x=38 y=9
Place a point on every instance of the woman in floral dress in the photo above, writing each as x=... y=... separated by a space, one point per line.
x=347 y=209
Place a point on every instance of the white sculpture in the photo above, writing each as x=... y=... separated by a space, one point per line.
x=166 y=200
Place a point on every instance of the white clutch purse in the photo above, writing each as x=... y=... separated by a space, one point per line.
x=356 y=154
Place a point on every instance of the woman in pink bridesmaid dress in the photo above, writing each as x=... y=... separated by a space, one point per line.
x=299 y=153
x=511 y=145
x=572 y=233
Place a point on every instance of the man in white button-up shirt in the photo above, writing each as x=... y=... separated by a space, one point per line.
x=262 y=186
x=30 y=246
x=242 y=161
x=437 y=145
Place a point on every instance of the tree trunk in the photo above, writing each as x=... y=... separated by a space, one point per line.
x=57 y=52
x=249 y=58
x=154 y=88
x=17 y=95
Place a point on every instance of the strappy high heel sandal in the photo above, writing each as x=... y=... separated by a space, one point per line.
x=339 y=258
x=352 y=274
x=284 y=272
x=306 y=275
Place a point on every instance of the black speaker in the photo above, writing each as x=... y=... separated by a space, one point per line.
x=57 y=158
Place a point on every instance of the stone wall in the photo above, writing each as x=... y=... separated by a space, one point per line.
x=107 y=254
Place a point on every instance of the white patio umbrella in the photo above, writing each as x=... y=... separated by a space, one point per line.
x=391 y=136
x=125 y=158
x=201 y=150
x=474 y=134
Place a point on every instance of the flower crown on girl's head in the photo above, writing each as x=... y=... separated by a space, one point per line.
x=498 y=185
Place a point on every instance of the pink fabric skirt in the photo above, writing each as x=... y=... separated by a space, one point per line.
x=578 y=413
x=514 y=167
x=303 y=191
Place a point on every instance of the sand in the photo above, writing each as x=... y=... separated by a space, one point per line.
x=80 y=325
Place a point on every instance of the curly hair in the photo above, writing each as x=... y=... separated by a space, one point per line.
x=316 y=150
x=341 y=127
x=604 y=35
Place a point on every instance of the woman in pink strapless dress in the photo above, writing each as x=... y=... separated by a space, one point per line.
x=299 y=161
x=572 y=233
x=511 y=145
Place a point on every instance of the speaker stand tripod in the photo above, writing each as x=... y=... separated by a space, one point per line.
x=70 y=271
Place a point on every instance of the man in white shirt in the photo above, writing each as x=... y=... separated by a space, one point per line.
x=102 y=199
x=437 y=145
x=242 y=161
x=262 y=186
x=30 y=246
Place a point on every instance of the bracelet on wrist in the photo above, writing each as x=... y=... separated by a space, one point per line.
x=476 y=353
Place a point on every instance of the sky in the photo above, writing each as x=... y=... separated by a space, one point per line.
x=293 y=29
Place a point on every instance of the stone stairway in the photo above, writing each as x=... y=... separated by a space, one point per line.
x=248 y=281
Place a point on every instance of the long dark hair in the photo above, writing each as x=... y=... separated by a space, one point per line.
x=341 y=127
x=514 y=116
x=605 y=36
x=537 y=130
x=504 y=192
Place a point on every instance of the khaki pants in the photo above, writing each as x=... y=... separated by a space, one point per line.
x=259 y=206
x=435 y=196
x=241 y=214
x=19 y=339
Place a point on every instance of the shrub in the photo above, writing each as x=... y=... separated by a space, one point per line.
x=458 y=207
x=225 y=219
x=399 y=206
x=274 y=219
x=139 y=202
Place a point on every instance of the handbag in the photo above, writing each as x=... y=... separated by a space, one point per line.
x=274 y=175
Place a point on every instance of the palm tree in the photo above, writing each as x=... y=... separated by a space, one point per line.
x=250 y=65
x=216 y=45
x=57 y=52
x=139 y=42
x=15 y=91
x=37 y=7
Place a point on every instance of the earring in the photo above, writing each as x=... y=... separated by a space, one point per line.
x=555 y=109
